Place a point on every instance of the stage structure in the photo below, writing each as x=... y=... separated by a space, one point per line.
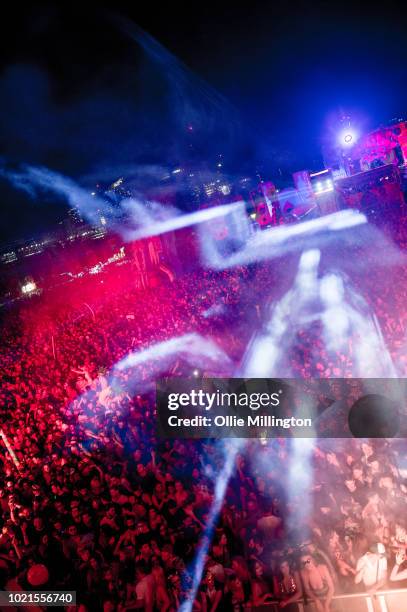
x=264 y=200
x=384 y=146
x=377 y=193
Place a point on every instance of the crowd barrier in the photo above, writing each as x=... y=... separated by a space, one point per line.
x=394 y=600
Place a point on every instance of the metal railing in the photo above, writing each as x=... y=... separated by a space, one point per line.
x=392 y=600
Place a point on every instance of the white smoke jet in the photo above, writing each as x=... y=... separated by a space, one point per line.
x=34 y=179
x=263 y=358
x=278 y=241
x=193 y=348
x=230 y=451
x=344 y=316
x=300 y=483
x=262 y=361
x=332 y=296
x=159 y=223
x=344 y=321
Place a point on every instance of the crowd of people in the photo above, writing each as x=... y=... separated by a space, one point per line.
x=92 y=501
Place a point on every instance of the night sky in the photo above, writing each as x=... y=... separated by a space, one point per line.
x=261 y=84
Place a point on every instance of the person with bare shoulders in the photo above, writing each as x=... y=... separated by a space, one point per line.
x=318 y=583
x=211 y=594
x=396 y=574
x=287 y=586
x=261 y=589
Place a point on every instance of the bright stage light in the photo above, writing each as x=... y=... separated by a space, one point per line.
x=347 y=138
x=225 y=189
x=318 y=186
